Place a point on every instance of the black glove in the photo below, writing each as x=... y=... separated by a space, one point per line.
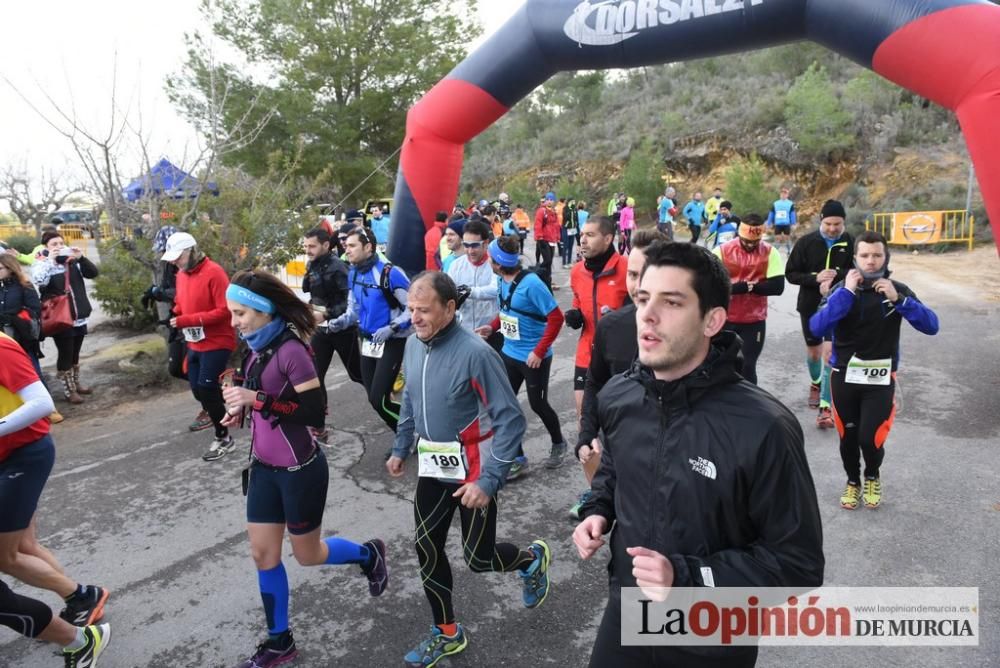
x=574 y=318
x=740 y=288
x=464 y=291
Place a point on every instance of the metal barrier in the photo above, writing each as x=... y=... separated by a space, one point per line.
x=918 y=228
x=293 y=272
x=8 y=231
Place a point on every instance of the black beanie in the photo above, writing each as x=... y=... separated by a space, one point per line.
x=832 y=208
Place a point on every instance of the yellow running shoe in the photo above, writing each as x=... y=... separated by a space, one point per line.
x=873 y=492
x=852 y=494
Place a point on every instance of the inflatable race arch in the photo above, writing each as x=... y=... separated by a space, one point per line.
x=945 y=50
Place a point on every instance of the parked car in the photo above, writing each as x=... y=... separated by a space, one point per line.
x=74 y=219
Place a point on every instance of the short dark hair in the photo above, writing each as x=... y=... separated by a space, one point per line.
x=509 y=244
x=441 y=283
x=48 y=236
x=479 y=228
x=643 y=238
x=753 y=219
x=604 y=224
x=320 y=234
x=364 y=236
x=709 y=277
x=726 y=204
x=871 y=237
x=441 y=217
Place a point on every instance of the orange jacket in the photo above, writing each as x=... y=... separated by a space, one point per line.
x=521 y=219
x=595 y=297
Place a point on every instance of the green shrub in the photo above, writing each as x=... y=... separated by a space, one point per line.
x=22 y=242
x=122 y=280
x=815 y=117
x=746 y=186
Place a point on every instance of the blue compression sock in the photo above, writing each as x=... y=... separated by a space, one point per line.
x=815 y=369
x=345 y=552
x=274 y=593
x=824 y=391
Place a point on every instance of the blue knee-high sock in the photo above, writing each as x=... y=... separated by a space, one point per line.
x=824 y=390
x=345 y=552
x=274 y=593
x=815 y=369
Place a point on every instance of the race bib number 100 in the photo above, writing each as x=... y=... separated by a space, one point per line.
x=441 y=460
x=869 y=372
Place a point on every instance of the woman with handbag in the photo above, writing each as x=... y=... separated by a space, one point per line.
x=59 y=272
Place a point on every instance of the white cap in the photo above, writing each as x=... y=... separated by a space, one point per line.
x=177 y=243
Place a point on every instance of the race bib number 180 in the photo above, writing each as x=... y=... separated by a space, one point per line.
x=441 y=460
x=869 y=372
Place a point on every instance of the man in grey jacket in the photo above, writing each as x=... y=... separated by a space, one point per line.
x=474 y=270
x=466 y=438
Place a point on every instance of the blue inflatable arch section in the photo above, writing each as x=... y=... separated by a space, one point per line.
x=945 y=50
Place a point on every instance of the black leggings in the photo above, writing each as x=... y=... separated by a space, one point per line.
x=68 y=346
x=345 y=344
x=379 y=375
x=695 y=233
x=864 y=415
x=433 y=507
x=752 y=335
x=538 y=393
x=546 y=252
x=609 y=651
x=26 y=616
x=625 y=242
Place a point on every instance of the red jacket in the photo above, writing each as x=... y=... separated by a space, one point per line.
x=432 y=246
x=547 y=227
x=201 y=302
x=592 y=296
x=754 y=267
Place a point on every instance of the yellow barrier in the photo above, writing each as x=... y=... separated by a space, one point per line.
x=293 y=272
x=917 y=228
x=70 y=234
x=8 y=231
x=108 y=233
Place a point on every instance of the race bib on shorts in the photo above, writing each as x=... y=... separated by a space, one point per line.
x=371 y=349
x=194 y=334
x=510 y=327
x=441 y=460
x=868 y=372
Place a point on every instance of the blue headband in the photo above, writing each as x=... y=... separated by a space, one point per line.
x=502 y=257
x=249 y=298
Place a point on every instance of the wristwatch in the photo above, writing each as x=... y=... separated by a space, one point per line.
x=260 y=401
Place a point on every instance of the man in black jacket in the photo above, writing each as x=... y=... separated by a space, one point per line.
x=326 y=284
x=615 y=349
x=818 y=260
x=703 y=475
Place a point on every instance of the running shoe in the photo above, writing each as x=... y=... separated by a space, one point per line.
x=814 y=395
x=556 y=456
x=219 y=448
x=849 y=499
x=873 y=492
x=201 y=421
x=574 y=511
x=536 y=576
x=436 y=646
x=824 y=419
x=87 y=608
x=518 y=468
x=98 y=638
x=378 y=572
x=272 y=653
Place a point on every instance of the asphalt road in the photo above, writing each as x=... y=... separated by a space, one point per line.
x=132 y=506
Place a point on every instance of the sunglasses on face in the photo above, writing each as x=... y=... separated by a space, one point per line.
x=472 y=244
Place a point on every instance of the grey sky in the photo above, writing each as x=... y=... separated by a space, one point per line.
x=68 y=49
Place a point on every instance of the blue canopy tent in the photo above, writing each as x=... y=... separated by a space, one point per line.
x=167 y=180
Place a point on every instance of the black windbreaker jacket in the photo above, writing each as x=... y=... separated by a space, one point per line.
x=326 y=283
x=711 y=472
x=810 y=256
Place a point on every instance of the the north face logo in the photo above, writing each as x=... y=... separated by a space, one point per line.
x=703 y=466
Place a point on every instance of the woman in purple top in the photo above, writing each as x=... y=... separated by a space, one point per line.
x=286 y=481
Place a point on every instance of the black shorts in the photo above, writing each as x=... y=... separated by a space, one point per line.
x=807 y=333
x=579 y=378
x=782 y=229
x=296 y=499
x=22 y=478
